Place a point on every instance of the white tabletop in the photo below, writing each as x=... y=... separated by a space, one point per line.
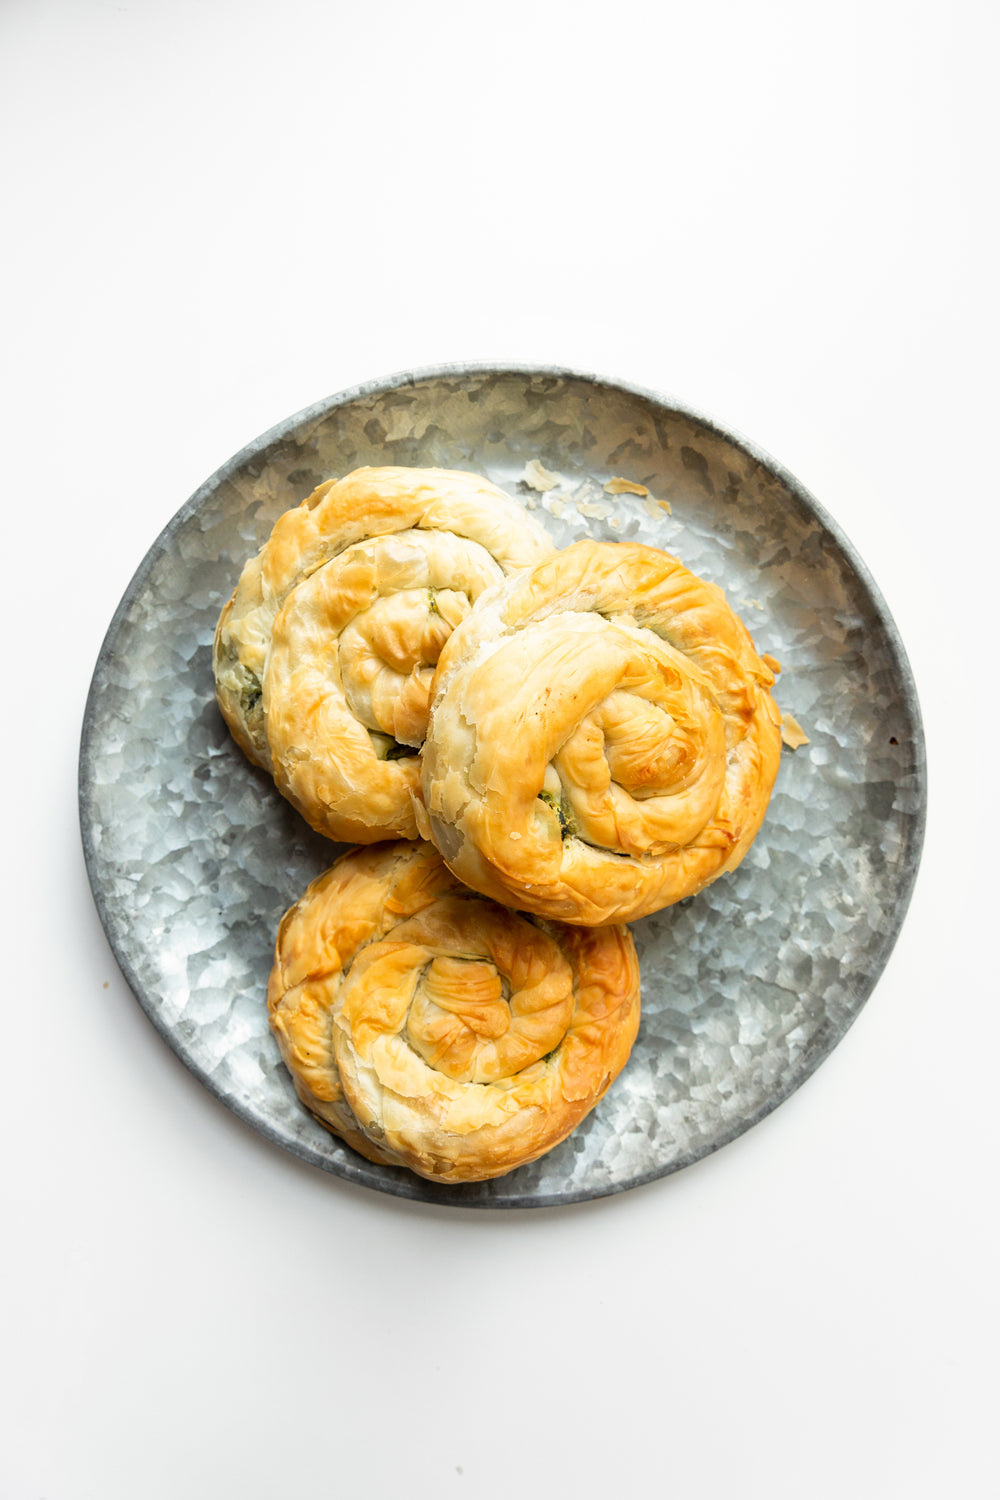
x=218 y=213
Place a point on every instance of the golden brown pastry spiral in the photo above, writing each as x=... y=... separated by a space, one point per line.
x=325 y=652
x=438 y=1031
x=602 y=739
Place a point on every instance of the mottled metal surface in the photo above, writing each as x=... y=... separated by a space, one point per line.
x=193 y=856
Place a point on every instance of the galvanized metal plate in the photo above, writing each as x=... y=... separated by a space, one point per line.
x=193 y=856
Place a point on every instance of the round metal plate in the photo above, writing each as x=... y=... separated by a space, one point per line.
x=193 y=856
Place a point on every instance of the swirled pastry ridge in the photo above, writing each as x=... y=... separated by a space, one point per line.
x=602 y=740
x=439 y=1031
x=324 y=655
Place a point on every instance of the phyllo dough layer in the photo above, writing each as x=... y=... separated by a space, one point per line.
x=436 y=1030
x=602 y=740
x=325 y=653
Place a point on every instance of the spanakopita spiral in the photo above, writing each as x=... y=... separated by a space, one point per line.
x=324 y=654
x=436 y=1030
x=602 y=741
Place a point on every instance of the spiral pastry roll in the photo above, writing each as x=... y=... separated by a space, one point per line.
x=602 y=739
x=435 y=1030
x=324 y=654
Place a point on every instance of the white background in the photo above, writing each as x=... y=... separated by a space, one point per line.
x=216 y=213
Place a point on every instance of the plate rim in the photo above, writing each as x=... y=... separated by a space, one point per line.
x=407 y=1185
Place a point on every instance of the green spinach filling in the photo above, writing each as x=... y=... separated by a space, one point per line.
x=250 y=693
x=561 y=808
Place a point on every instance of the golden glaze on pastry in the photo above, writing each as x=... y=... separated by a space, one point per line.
x=435 y=1030
x=602 y=739
x=325 y=652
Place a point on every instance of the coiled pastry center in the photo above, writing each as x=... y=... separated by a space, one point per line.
x=623 y=743
x=643 y=768
x=387 y=656
x=477 y=994
x=366 y=629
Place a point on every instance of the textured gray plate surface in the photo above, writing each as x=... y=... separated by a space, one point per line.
x=193 y=856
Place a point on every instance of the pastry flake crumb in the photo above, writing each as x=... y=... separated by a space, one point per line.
x=655 y=508
x=767 y=658
x=536 y=477
x=792 y=732
x=596 y=509
x=618 y=486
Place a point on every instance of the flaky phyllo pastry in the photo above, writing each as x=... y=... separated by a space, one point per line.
x=602 y=739
x=325 y=652
x=436 y=1030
